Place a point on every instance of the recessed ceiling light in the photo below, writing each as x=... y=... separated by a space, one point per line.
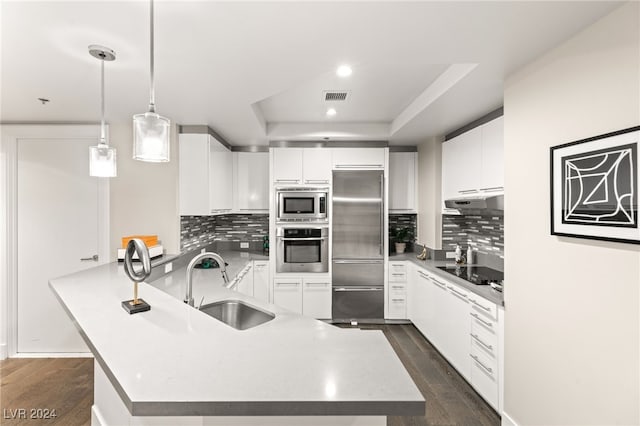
x=344 y=71
x=331 y=112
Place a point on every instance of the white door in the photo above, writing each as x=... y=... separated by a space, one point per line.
x=60 y=220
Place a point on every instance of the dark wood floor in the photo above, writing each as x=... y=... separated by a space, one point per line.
x=40 y=385
x=66 y=384
x=450 y=400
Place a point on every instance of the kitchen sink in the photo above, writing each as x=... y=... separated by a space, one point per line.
x=237 y=314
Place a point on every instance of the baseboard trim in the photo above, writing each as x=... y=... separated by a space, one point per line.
x=4 y=351
x=507 y=420
x=53 y=355
x=96 y=417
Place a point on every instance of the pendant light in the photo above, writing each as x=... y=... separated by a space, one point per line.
x=151 y=130
x=102 y=157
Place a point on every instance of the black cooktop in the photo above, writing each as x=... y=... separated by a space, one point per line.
x=479 y=275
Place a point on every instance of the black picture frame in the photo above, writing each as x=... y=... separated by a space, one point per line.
x=594 y=187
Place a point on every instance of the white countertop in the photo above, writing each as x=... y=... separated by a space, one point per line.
x=176 y=360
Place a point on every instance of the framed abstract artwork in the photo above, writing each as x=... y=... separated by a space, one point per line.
x=594 y=187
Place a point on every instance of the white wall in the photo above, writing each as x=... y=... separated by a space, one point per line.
x=144 y=196
x=572 y=306
x=429 y=189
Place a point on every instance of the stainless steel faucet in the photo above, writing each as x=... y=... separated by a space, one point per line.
x=206 y=255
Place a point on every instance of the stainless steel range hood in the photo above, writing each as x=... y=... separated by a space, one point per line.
x=477 y=204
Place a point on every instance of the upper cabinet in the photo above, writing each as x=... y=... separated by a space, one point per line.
x=205 y=175
x=402 y=182
x=359 y=158
x=301 y=166
x=473 y=162
x=251 y=182
x=493 y=155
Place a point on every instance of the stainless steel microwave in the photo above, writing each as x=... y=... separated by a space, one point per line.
x=302 y=204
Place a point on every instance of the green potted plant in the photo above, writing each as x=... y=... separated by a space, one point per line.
x=401 y=236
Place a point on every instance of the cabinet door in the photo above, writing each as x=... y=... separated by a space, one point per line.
x=287 y=293
x=316 y=298
x=193 y=174
x=493 y=155
x=421 y=303
x=252 y=181
x=456 y=341
x=287 y=165
x=261 y=280
x=435 y=315
x=358 y=158
x=316 y=166
x=245 y=286
x=461 y=164
x=220 y=177
x=402 y=181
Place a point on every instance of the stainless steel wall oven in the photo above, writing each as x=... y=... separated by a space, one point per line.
x=302 y=249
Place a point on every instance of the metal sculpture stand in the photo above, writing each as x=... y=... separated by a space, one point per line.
x=136 y=246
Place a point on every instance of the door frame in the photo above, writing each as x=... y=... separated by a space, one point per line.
x=10 y=135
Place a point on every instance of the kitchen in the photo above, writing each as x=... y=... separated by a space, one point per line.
x=537 y=93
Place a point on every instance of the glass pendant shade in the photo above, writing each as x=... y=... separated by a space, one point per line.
x=102 y=161
x=151 y=137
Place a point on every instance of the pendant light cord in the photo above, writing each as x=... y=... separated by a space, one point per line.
x=152 y=97
x=102 y=132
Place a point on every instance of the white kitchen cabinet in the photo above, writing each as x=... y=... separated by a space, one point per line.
x=402 y=182
x=492 y=178
x=359 y=158
x=455 y=345
x=251 y=181
x=287 y=293
x=307 y=166
x=473 y=162
x=316 y=298
x=316 y=166
x=261 y=280
x=245 y=280
x=205 y=174
x=397 y=293
x=461 y=164
x=287 y=165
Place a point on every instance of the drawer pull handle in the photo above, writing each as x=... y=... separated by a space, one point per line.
x=438 y=283
x=397 y=264
x=477 y=339
x=464 y=296
x=475 y=358
x=398 y=287
x=476 y=316
x=479 y=305
x=468 y=191
x=316 y=181
x=399 y=274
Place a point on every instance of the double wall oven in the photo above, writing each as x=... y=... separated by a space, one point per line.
x=302 y=231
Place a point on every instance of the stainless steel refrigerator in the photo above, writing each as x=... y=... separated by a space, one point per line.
x=358 y=245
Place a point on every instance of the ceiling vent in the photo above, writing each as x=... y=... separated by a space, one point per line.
x=334 y=95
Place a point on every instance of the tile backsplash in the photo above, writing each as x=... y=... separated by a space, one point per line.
x=402 y=221
x=199 y=231
x=484 y=233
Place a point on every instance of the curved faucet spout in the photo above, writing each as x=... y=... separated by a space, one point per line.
x=206 y=255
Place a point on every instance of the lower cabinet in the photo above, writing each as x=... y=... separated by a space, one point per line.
x=287 y=293
x=261 y=280
x=397 y=294
x=310 y=296
x=464 y=327
x=316 y=298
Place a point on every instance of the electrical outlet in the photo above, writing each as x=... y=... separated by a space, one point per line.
x=244 y=245
x=203 y=250
x=168 y=267
x=451 y=255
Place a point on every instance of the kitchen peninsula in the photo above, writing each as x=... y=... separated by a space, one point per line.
x=177 y=361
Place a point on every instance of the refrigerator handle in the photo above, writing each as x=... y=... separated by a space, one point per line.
x=382 y=214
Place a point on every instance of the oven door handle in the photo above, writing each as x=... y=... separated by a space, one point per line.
x=303 y=239
x=345 y=289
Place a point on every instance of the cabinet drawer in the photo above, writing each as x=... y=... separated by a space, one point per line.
x=399 y=289
x=484 y=376
x=479 y=304
x=397 y=277
x=480 y=322
x=485 y=341
x=397 y=267
x=397 y=306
